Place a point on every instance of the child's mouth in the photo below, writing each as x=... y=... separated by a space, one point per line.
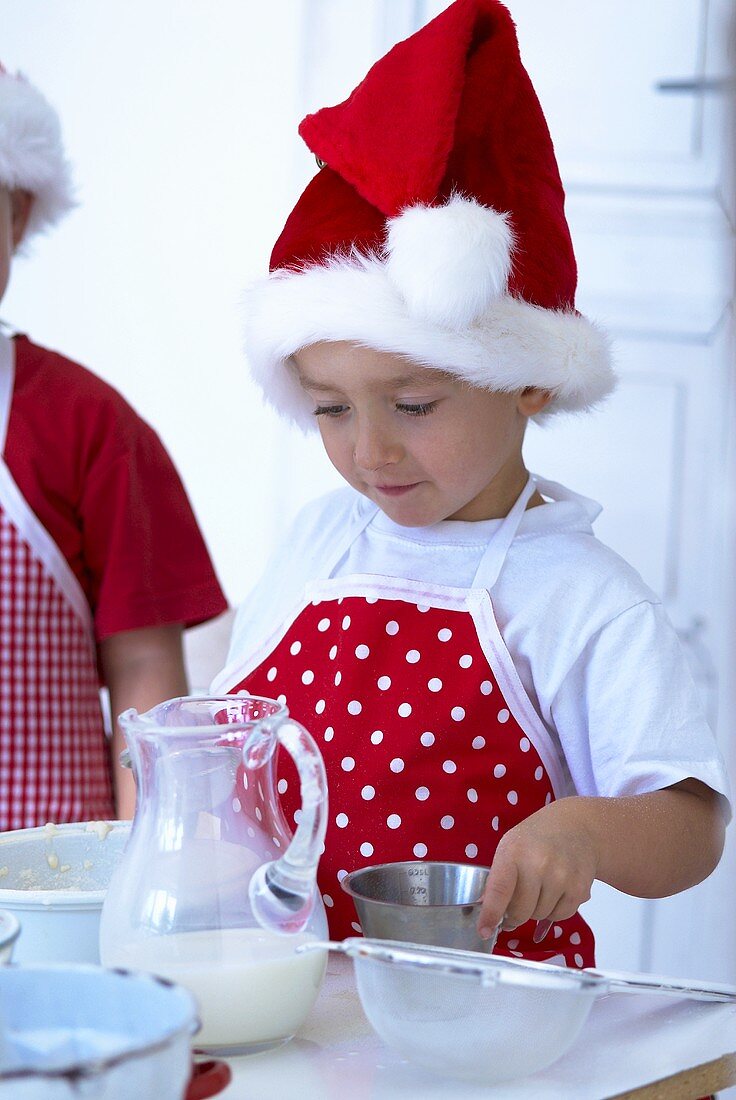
x=395 y=490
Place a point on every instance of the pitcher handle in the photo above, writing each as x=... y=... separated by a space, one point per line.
x=282 y=893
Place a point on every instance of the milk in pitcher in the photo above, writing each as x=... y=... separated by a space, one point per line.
x=251 y=986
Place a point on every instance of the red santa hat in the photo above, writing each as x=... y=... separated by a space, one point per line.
x=435 y=228
x=31 y=151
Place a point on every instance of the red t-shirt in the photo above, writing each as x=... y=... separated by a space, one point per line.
x=101 y=483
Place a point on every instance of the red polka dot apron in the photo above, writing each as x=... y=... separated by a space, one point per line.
x=54 y=762
x=432 y=747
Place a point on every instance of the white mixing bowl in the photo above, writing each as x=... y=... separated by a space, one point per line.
x=54 y=879
x=81 y=1031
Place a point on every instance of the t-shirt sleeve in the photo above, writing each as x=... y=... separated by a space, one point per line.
x=147 y=561
x=628 y=713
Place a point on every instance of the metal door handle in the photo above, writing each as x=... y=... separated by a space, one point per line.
x=698 y=85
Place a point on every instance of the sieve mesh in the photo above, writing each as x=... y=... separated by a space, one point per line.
x=461 y=1025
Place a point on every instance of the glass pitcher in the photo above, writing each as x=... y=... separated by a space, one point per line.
x=213 y=891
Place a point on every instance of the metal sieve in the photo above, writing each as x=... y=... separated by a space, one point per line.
x=484 y=1017
x=468 y=1015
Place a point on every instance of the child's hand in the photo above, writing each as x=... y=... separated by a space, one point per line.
x=649 y=845
x=543 y=869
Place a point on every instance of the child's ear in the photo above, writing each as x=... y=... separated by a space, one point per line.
x=531 y=400
x=20 y=206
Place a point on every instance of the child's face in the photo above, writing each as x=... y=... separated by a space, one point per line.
x=15 y=209
x=421 y=444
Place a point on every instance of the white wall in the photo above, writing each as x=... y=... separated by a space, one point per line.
x=180 y=119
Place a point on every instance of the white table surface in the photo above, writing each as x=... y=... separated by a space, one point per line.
x=627 y=1042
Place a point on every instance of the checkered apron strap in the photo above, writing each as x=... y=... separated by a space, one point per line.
x=54 y=763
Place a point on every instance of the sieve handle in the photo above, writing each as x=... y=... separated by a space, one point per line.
x=321 y=945
x=621 y=982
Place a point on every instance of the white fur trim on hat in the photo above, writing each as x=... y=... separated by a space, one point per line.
x=449 y=262
x=31 y=152
x=511 y=345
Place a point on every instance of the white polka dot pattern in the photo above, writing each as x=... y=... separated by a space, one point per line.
x=424 y=756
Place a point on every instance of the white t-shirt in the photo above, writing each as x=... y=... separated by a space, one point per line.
x=593 y=647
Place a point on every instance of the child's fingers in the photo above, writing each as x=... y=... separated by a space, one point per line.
x=525 y=901
x=497 y=895
x=561 y=898
x=551 y=895
x=566 y=907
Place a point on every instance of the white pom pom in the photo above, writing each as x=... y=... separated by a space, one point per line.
x=449 y=262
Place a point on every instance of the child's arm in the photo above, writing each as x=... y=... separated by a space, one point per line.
x=141 y=668
x=648 y=845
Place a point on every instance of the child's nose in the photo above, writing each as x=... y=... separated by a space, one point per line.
x=374 y=448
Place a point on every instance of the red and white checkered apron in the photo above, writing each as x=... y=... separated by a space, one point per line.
x=54 y=760
x=431 y=745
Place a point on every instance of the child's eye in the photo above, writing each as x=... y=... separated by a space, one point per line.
x=417 y=410
x=330 y=410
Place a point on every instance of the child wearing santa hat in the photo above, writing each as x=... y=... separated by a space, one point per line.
x=488 y=683
x=101 y=559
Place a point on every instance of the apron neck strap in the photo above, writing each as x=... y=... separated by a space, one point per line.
x=494 y=557
x=359 y=520
x=491 y=562
x=7 y=379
